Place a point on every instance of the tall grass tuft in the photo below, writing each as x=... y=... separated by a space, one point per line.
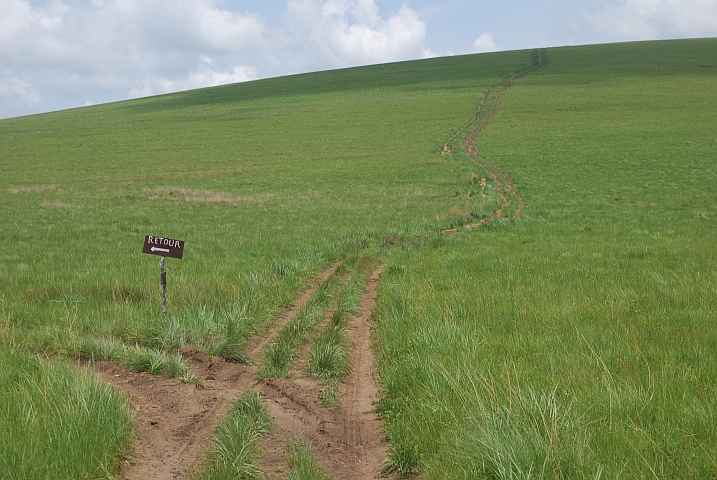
x=221 y=332
x=233 y=446
x=352 y=293
x=490 y=371
x=302 y=463
x=329 y=358
x=329 y=355
x=280 y=353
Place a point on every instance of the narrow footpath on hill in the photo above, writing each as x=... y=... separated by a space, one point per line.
x=487 y=109
x=175 y=420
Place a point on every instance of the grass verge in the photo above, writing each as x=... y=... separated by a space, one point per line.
x=48 y=407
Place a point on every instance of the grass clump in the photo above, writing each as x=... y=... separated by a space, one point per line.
x=221 y=333
x=48 y=407
x=352 y=293
x=155 y=362
x=233 y=446
x=329 y=355
x=302 y=464
x=53 y=341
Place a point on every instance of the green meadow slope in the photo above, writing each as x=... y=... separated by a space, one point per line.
x=577 y=341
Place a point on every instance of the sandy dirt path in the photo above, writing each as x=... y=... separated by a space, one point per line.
x=175 y=420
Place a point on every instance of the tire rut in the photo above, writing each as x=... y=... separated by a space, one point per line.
x=175 y=420
x=259 y=344
x=346 y=438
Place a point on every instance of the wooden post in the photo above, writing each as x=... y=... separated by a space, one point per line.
x=163 y=279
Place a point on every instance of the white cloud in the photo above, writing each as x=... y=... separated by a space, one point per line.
x=341 y=33
x=485 y=43
x=428 y=53
x=197 y=79
x=16 y=14
x=653 y=19
x=16 y=94
x=57 y=53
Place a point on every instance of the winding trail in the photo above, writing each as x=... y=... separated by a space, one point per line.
x=175 y=420
x=489 y=103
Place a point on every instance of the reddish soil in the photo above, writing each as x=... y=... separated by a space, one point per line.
x=175 y=420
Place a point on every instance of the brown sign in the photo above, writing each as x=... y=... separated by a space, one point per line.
x=165 y=247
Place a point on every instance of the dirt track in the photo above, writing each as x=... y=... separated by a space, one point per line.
x=346 y=438
x=490 y=101
x=175 y=420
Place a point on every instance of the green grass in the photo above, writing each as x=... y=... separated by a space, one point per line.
x=302 y=463
x=59 y=422
x=55 y=341
x=268 y=183
x=329 y=358
x=280 y=354
x=266 y=188
x=575 y=342
x=233 y=447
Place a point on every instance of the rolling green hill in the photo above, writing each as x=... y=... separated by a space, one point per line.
x=576 y=341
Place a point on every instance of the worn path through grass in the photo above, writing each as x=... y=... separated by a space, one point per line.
x=551 y=342
x=346 y=433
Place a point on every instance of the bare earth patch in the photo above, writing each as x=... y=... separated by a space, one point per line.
x=347 y=438
x=175 y=420
x=37 y=189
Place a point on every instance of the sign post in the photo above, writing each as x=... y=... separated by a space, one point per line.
x=163 y=281
x=165 y=247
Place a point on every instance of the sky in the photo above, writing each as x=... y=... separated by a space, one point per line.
x=58 y=54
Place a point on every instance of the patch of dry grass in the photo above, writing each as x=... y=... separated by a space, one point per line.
x=37 y=189
x=191 y=195
x=58 y=205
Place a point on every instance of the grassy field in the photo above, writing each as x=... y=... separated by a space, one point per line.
x=578 y=342
x=575 y=342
